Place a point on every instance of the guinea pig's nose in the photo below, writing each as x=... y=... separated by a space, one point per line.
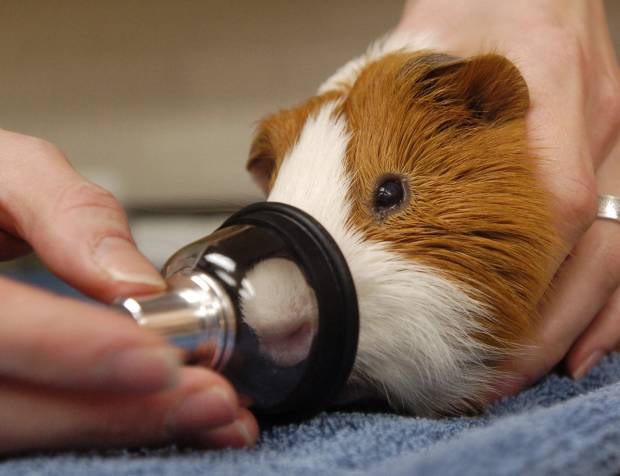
x=281 y=309
x=286 y=344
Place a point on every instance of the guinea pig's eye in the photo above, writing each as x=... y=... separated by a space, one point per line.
x=389 y=194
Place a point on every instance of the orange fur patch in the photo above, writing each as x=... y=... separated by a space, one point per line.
x=456 y=132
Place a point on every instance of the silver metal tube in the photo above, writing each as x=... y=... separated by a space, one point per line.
x=195 y=314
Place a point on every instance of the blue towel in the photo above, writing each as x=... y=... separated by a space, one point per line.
x=557 y=427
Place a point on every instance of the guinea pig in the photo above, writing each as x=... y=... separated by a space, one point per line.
x=418 y=165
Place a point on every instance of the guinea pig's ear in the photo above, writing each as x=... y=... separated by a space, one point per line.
x=490 y=86
x=261 y=163
x=261 y=169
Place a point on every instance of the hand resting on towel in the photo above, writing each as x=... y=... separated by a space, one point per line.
x=77 y=375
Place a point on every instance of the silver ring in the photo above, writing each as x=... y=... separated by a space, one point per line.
x=608 y=207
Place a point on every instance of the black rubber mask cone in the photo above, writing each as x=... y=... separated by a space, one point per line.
x=273 y=307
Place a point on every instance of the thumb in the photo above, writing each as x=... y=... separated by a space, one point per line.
x=78 y=229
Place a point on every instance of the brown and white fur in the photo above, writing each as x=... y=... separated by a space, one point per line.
x=448 y=281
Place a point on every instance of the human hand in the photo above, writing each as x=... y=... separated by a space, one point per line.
x=564 y=53
x=74 y=374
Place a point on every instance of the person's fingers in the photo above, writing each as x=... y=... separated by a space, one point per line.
x=77 y=228
x=582 y=287
x=603 y=334
x=34 y=418
x=57 y=341
x=600 y=338
x=12 y=247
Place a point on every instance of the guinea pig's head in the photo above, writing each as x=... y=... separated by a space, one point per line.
x=417 y=164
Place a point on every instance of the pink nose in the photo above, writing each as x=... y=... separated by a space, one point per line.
x=282 y=309
x=287 y=343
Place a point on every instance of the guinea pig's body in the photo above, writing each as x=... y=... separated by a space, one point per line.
x=417 y=163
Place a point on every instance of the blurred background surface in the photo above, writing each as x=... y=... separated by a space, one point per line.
x=157 y=100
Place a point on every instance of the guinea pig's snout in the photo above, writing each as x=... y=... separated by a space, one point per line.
x=281 y=308
x=287 y=344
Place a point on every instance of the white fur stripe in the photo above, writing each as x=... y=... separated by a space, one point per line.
x=312 y=177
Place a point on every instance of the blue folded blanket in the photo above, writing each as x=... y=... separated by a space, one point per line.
x=557 y=427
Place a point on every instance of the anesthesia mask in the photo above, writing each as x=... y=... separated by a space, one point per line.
x=268 y=301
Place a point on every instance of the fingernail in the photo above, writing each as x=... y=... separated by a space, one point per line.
x=235 y=435
x=122 y=261
x=588 y=364
x=142 y=370
x=243 y=432
x=201 y=410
